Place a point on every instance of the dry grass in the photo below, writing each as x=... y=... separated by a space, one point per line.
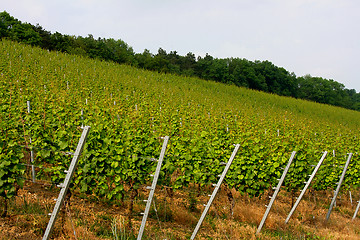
x=177 y=216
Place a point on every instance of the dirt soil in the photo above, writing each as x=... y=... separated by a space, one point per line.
x=174 y=215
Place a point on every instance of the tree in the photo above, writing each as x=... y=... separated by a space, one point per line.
x=6 y=23
x=188 y=64
x=60 y=42
x=45 y=37
x=25 y=33
x=144 y=59
x=259 y=75
x=17 y=31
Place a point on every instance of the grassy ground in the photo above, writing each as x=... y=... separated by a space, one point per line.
x=232 y=216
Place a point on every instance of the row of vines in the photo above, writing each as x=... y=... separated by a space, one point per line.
x=130 y=109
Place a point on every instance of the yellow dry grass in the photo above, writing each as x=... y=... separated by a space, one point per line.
x=175 y=219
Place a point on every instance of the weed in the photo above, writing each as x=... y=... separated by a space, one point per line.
x=118 y=230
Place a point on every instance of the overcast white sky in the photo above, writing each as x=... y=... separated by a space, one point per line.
x=317 y=37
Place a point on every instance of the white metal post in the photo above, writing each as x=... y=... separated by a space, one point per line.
x=65 y=186
x=356 y=210
x=152 y=188
x=306 y=186
x=217 y=187
x=338 y=186
x=277 y=189
x=31 y=151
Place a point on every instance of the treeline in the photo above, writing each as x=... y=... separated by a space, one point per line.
x=259 y=75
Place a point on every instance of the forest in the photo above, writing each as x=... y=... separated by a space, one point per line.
x=258 y=75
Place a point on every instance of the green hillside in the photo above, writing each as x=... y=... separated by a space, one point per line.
x=257 y=75
x=128 y=109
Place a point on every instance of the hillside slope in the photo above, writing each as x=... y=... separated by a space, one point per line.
x=129 y=109
x=259 y=75
x=121 y=99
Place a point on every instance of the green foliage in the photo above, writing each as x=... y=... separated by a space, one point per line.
x=10 y=169
x=128 y=109
x=258 y=75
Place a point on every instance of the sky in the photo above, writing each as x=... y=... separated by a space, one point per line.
x=316 y=37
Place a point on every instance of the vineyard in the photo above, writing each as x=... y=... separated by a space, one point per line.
x=130 y=109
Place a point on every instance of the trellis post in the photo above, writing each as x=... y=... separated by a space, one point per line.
x=306 y=186
x=277 y=189
x=217 y=187
x=338 y=186
x=152 y=188
x=65 y=186
x=31 y=151
x=356 y=210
